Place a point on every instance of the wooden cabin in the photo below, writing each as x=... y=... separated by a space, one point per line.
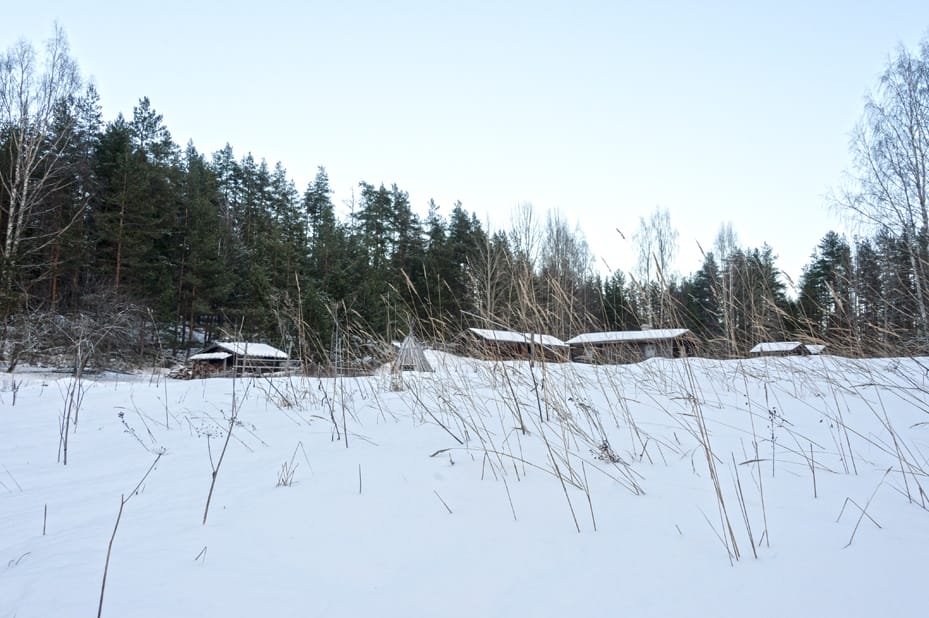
x=780 y=348
x=240 y=357
x=510 y=345
x=632 y=346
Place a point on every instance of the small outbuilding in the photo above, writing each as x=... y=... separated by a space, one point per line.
x=815 y=348
x=632 y=346
x=780 y=348
x=411 y=357
x=241 y=357
x=510 y=345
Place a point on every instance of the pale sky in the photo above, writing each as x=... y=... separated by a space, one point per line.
x=717 y=111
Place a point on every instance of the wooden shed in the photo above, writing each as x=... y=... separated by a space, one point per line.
x=780 y=348
x=632 y=346
x=510 y=345
x=242 y=357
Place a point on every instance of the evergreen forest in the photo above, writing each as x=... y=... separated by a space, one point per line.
x=121 y=244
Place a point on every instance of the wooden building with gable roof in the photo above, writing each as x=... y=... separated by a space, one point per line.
x=632 y=346
x=241 y=357
x=780 y=348
x=510 y=345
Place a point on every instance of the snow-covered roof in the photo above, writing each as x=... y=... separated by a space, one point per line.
x=513 y=337
x=245 y=348
x=211 y=356
x=815 y=348
x=624 y=336
x=775 y=346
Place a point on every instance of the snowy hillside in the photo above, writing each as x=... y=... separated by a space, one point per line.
x=483 y=489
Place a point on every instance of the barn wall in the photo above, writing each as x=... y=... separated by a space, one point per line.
x=621 y=352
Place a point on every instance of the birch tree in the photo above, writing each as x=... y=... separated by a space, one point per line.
x=890 y=176
x=31 y=89
x=656 y=241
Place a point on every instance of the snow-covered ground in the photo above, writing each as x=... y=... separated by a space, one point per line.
x=483 y=489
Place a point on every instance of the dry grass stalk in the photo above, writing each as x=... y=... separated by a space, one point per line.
x=123 y=499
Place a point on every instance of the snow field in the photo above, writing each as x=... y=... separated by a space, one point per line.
x=523 y=456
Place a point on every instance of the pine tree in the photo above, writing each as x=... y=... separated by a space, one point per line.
x=201 y=269
x=255 y=228
x=113 y=217
x=139 y=172
x=150 y=137
x=289 y=232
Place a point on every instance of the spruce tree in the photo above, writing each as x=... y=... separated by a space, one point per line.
x=618 y=303
x=202 y=278
x=825 y=292
x=868 y=295
x=60 y=277
x=703 y=314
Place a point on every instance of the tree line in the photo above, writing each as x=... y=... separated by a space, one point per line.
x=101 y=217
